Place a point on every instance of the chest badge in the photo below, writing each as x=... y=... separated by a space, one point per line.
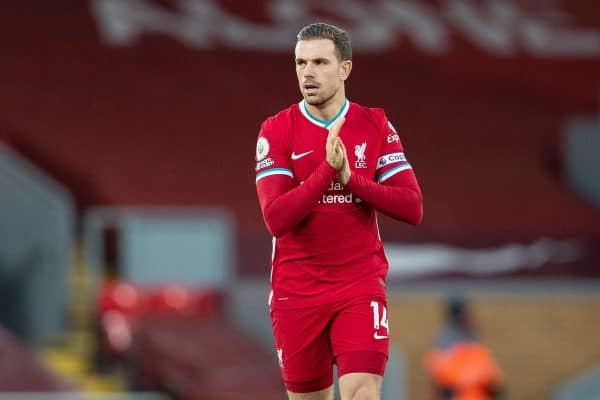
x=359 y=152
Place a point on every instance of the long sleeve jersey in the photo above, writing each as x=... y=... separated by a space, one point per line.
x=326 y=244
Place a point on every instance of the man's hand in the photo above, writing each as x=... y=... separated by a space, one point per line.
x=345 y=172
x=334 y=152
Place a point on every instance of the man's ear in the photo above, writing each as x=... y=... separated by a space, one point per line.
x=345 y=69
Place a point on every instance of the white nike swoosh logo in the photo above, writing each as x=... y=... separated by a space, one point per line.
x=297 y=156
x=376 y=336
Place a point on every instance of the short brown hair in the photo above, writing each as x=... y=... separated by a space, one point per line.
x=338 y=36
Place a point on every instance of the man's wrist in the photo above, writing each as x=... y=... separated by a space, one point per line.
x=328 y=169
x=351 y=181
x=344 y=177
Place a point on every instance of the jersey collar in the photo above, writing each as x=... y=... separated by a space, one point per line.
x=321 y=122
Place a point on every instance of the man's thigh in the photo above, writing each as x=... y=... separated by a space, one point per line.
x=360 y=336
x=303 y=349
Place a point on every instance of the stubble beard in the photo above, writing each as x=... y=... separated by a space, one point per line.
x=318 y=101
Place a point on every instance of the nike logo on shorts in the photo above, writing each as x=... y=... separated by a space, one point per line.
x=298 y=156
x=376 y=336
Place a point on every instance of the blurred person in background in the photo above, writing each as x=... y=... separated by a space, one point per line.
x=324 y=167
x=460 y=366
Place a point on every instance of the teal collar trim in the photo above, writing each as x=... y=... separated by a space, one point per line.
x=321 y=122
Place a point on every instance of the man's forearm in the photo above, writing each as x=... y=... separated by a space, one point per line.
x=284 y=208
x=400 y=199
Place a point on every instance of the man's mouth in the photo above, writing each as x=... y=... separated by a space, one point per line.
x=310 y=88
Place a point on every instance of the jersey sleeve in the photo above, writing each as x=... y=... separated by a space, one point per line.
x=284 y=204
x=272 y=156
x=392 y=159
x=396 y=191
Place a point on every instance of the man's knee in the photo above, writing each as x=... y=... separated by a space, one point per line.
x=365 y=392
x=324 y=394
x=360 y=386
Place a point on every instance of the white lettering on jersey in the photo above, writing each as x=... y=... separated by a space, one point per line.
x=359 y=152
x=335 y=186
x=391 y=158
x=338 y=199
x=267 y=162
x=393 y=138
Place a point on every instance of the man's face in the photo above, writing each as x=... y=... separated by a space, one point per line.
x=320 y=73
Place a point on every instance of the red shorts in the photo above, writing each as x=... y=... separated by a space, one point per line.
x=352 y=334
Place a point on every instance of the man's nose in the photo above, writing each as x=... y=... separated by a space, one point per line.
x=309 y=70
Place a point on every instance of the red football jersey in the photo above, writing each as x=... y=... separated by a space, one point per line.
x=327 y=245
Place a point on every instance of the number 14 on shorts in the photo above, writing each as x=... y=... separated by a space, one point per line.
x=379 y=321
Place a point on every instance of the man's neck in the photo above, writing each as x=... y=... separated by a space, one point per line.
x=327 y=111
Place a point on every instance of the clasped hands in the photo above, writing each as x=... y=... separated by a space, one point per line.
x=335 y=152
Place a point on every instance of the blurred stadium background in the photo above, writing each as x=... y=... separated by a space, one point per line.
x=133 y=258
